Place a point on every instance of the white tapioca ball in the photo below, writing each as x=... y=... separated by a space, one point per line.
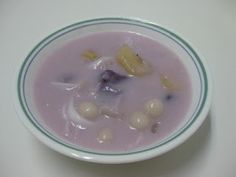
x=88 y=110
x=105 y=135
x=154 y=107
x=139 y=120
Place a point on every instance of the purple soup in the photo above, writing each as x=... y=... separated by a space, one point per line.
x=112 y=91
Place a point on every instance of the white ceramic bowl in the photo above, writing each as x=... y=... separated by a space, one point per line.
x=196 y=68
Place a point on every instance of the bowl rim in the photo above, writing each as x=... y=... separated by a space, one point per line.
x=114 y=158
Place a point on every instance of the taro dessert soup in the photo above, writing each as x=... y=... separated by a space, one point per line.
x=112 y=91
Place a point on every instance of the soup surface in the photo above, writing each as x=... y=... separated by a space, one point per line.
x=112 y=91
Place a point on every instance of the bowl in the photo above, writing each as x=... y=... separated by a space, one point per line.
x=195 y=66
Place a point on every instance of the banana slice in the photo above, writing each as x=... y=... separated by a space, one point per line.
x=90 y=55
x=131 y=62
x=167 y=83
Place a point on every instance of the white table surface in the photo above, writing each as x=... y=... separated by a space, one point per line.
x=208 y=25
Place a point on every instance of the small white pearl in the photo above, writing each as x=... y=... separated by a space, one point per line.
x=154 y=107
x=88 y=110
x=139 y=120
x=105 y=135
